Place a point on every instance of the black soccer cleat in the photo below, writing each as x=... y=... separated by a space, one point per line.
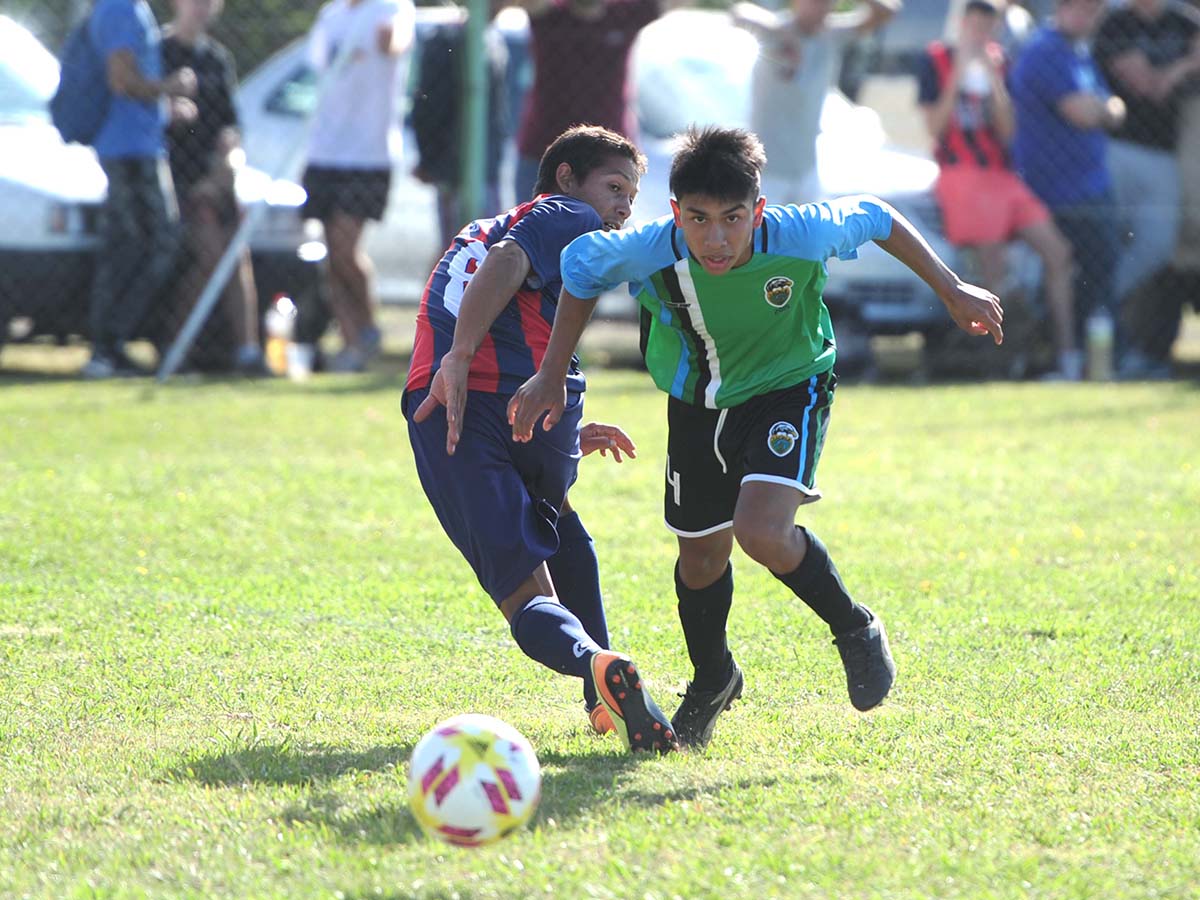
x=697 y=714
x=868 y=662
x=635 y=716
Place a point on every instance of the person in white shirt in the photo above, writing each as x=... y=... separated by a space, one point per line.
x=361 y=47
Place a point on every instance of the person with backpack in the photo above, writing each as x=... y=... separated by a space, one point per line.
x=138 y=224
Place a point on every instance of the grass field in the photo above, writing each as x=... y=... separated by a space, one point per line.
x=227 y=613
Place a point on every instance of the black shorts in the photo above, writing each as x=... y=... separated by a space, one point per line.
x=711 y=453
x=359 y=193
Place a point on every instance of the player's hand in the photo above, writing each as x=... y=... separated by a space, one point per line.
x=536 y=396
x=976 y=310
x=182 y=111
x=181 y=83
x=605 y=438
x=448 y=389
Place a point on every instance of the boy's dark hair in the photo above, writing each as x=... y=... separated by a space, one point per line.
x=723 y=163
x=584 y=148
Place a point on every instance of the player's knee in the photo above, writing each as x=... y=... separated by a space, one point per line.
x=700 y=568
x=767 y=543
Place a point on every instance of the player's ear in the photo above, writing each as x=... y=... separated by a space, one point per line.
x=678 y=213
x=564 y=177
x=759 y=206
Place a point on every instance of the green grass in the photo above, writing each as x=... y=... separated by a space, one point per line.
x=227 y=613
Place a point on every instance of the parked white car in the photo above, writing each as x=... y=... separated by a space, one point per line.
x=50 y=193
x=275 y=102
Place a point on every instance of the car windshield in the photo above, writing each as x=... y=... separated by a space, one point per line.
x=296 y=96
x=692 y=67
x=28 y=74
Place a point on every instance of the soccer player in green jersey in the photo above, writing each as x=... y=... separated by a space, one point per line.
x=736 y=332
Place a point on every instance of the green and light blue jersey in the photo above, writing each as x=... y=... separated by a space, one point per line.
x=718 y=340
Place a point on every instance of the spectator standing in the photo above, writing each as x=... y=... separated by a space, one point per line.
x=1063 y=111
x=580 y=51
x=984 y=203
x=138 y=222
x=801 y=50
x=204 y=151
x=362 y=47
x=1147 y=51
x=437 y=119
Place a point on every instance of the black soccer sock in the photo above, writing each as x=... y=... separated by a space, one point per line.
x=576 y=576
x=816 y=581
x=549 y=633
x=703 y=614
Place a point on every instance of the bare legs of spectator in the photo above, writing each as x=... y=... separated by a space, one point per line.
x=351 y=285
x=1050 y=244
x=452 y=217
x=209 y=231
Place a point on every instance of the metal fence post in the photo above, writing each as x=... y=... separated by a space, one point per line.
x=474 y=125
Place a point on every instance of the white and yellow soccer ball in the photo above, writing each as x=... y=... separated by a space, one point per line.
x=473 y=780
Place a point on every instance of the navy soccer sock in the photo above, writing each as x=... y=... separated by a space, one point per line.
x=816 y=581
x=576 y=576
x=549 y=633
x=703 y=614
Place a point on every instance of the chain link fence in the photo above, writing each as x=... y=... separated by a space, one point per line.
x=240 y=142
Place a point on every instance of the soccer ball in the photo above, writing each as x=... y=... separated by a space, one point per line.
x=473 y=780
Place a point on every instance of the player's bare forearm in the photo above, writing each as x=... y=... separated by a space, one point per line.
x=974 y=309
x=500 y=275
x=570 y=318
x=907 y=245
x=546 y=391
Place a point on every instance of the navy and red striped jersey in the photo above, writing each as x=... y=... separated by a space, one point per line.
x=969 y=139
x=516 y=343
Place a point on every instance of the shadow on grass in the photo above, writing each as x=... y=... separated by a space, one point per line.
x=286 y=763
x=573 y=785
x=382 y=824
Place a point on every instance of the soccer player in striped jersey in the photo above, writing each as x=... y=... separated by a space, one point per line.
x=482 y=329
x=736 y=332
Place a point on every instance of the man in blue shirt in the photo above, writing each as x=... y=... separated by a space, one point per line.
x=1064 y=109
x=138 y=233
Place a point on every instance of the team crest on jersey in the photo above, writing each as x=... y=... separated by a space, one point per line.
x=778 y=291
x=782 y=438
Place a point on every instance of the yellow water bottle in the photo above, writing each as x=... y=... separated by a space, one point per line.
x=280 y=324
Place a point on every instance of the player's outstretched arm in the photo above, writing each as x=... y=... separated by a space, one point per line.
x=491 y=288
x=547 y=390
x=974 y=309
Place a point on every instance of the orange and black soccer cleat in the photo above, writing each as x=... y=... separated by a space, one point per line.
x=634 y=715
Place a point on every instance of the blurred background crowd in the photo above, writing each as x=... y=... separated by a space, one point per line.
x=317 y=157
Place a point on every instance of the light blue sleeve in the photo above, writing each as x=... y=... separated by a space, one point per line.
x=838 y=227
x=601 y=261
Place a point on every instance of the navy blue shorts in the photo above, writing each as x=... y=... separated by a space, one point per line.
x=498 y=500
